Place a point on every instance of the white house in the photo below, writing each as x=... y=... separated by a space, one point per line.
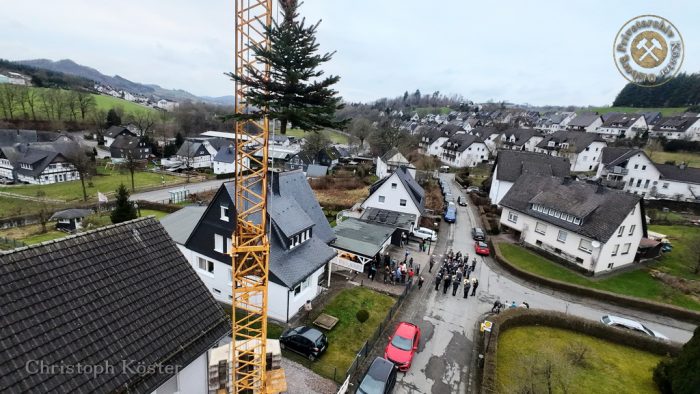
x=115 y=131
x=397 y=192
x=631 y=170
x=620 y=126
x=587 y=122
x=390 y=161
x=582 y=149
x=134 y=317
x=490 y=136
x=431 y=139
x=677 y=128
x=464 y=150
x=511 y=164
x=197 y=153
x=299 y=238
x=588 y=225
x=520 y=139
x=225 y=160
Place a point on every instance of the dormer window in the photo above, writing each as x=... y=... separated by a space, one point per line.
x=224 y=213
x=299 y=238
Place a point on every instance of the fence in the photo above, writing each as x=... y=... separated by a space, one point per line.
x=11 y=243
x=367 y=347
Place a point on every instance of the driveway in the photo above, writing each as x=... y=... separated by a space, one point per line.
x=444 y=358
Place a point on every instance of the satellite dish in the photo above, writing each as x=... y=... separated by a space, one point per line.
x=595 y=244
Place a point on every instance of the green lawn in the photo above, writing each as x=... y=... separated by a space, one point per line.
x=692 y=159
x=335 y=137
x=638 y=283
x=606 y=368
x=158 y=214
x=681 y=260
x=423 y=111
x=106 y=181
x=347 y=337
x=664 y=111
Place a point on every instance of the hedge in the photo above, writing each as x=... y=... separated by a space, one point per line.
x=613 y=298
x=534 y=317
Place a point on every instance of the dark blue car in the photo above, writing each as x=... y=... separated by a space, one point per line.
x=451 y=215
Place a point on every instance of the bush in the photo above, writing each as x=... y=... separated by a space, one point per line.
x=662 y=378
x=362 y=316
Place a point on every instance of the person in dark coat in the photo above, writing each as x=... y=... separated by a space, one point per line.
x=475 y=284
x=438 y=279
x=420 y=282
x=447 y=281
x=473 y=264
x=455 y=285
x=467 y=285
x=432 y=263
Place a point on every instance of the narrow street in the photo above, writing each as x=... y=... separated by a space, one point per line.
x=162 y=195
x=447 y=323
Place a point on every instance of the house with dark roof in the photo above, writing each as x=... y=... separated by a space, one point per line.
x=127 y=146
x=70 y=219
x=225 y=160
x=115 y=131
x=431 y=138
x=121 y=298
x=358 y=242
x=390 y=161
x=582 y=149
x=42 y=165
x=633 y=171
x=585 y=224
x=490 y=135
x=677 y=128
x=299 y=237
x=586 y=122
x=464 y=150
x=397 y=192
x=197 y=153
x=520 y=139
x=510 y=165
x=621 y=126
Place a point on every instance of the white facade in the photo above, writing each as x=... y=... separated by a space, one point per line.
x=194 y=378
x=222 y=167
x=613 y=133
x=498 y=188
x=617 y=252
x=393 y=196
x=53 y=173
x=434 y=149
x=584 y=161
x=690 y=134
x=385 y=168
x=473 y=155
x=6 y=168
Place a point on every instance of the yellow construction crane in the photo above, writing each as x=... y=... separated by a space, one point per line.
x=251 y=248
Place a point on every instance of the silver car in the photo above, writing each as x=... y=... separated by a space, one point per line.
x=627 y=324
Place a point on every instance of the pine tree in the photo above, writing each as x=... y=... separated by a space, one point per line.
x=679 y=375
x=124 y=210
x=296 y=91
x=113 y=118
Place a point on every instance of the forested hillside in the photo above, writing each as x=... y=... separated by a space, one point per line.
x=681 y=91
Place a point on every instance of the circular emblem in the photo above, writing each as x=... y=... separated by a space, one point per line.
x=648 y=50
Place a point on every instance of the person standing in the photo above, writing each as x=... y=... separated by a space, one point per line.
x=404 y=238
x=473 y=264
x=420 y=282
x=455 y=285
x=467 y=285
x=475 y=284
x=386 y=273
x=417 y=269
x=410 y=275
x=459 y=274
x=438 y=279
x=307 y=309
x=432 y=263
x=446 y=284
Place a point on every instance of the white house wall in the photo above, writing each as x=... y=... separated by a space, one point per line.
x=498 y=188
x=588 y=159
x=392 y=198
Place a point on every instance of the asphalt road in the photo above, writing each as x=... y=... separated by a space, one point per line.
x=162 y=195
x=447 y=323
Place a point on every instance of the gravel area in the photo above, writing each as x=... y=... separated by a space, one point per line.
x=302 y=380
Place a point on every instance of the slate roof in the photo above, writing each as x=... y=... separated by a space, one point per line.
x=361 y=237
x=191 y=148
x=72 y=213
x=621 y=120
x=583 y=120
x=463 y=141
x=125 y=141
x=675 y=173
x=180 y=224
x=612 y=156
x=122 y=292
x=601 y=209
x=226 y=154
x=432 y=133
x=39 y=159
x=521 y=136
x=315 y=170
x=674 y=124
x=512 y=164
x=576 y=139
x=113 y=131
x=485 y=132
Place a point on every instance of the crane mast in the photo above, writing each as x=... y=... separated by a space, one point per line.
x=251 y=248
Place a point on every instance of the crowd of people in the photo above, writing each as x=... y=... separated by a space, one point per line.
x=454 y=271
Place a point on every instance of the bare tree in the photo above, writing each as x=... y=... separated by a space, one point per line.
x=86 y=104
x=32 y=101
x=83 y=165
x=47 y=104
x=694 y=244
x=71 y=100
x=9 y=99
x=144 y=120
x=361 y=128
x=132 y=163
x=314 y=142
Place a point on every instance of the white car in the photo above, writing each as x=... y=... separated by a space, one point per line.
x=627 y=324
x=425 y=233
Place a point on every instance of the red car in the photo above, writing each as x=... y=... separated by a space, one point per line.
x=482 y=248
x=403 y=345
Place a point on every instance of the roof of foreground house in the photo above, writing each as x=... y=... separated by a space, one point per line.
x=512 y=164
x=121 y=292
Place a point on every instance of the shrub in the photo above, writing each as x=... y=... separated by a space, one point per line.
x=662 y=378
x=362 y=316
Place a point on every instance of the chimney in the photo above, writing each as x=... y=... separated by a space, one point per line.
x=275 y=183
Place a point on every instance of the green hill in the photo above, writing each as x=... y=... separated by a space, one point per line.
x=664 y=111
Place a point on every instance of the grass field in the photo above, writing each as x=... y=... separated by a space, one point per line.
x=334 y=136
x=692 y=159
x=606 y=368
x=423 y=111
x=604 y=110
x=347 y=337
x=638 y=283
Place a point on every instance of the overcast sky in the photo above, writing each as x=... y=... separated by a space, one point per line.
x=537 y=52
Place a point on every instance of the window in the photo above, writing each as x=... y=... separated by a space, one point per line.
x=585 y=245
x=610 y=266
x=224 y=213
x=218 y=243
x=205 y=265
x=228 y=245
x=512 y=217
x=626 y=248
x=632 y=229
x=633 y=209
x=577 y=221
x=636 y=166
x=393 y=185
x=631 y=181
x=561 y=237
x=381 y=199
x=402 y=202
x=620 y=231
x=665 y=186
x=646 y=184
x=615 y=249
x=540 y=228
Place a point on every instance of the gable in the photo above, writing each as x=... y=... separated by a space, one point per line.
x=201 y=240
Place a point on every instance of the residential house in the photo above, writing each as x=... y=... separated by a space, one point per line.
x=464 y=150
x=632 y=171
x=588 y=225
x=12 y=137
x=197 y=153
x=520 y=139
x=622 y=126
x=299 y=237
x=70 y=220
x=127 y=146
x=512 y=164
x=397 y=192
x=582 y=149
x=121 y=297
x=431 y=140
x=587 y=122
x=677 y=128
x=490 y=136
x=299 y=161
x=554 y=122
x=280 y=140
x=651 y=118
x=113 y=132
x=390 y=161
x=225 y=160
x=44 y=164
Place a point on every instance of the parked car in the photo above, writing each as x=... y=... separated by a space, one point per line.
x=403 y=345
x=478 y=234
x=472 y=189
x=462 y=202
x=450 y=215
x=627 y=324
x=379 y=379
x=482 y=248
x=425 y=233
x=6 y=181
x=306 y=341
